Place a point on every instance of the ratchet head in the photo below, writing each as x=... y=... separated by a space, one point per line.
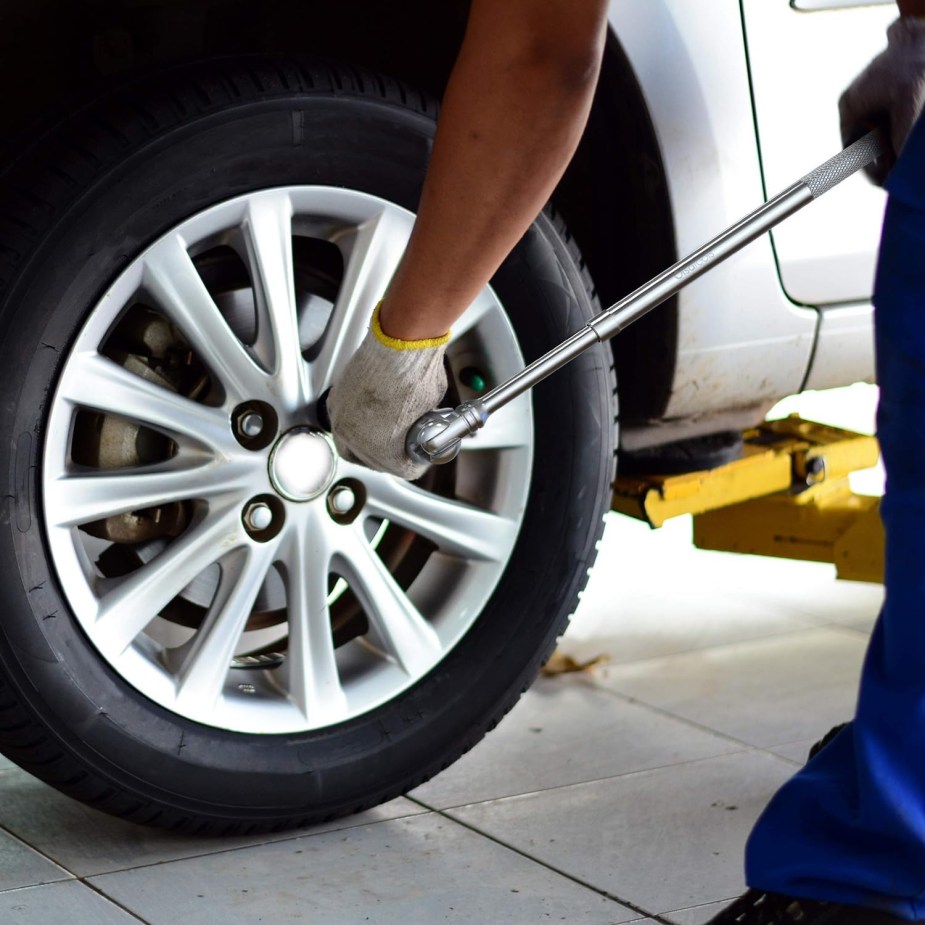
x=437 y=436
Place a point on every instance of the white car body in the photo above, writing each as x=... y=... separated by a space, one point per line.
x=743 y=97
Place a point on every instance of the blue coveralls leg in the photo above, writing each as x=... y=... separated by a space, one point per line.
x=850 y=826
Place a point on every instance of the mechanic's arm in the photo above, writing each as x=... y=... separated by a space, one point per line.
x=514 y=109
x=889 y=93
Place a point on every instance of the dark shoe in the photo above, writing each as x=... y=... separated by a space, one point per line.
x=757 y=908
x=821 y=744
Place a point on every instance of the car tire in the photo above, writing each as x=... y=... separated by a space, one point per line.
x=83 y=202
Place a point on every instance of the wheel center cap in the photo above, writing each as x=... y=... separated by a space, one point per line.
x=302 y=464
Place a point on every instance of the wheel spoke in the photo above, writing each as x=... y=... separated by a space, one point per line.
x=411 y=640
x=211 y=650
x=78 y=499
x=126 y=610
x=373 y=253
x=93 y=381
x=268 y=235
x=483 y=304
x=171 y=279
x=457 y=528
x=314 y=682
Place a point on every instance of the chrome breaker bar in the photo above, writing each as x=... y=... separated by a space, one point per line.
x=436 y=436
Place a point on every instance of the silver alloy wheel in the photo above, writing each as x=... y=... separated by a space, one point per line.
x=199 y=515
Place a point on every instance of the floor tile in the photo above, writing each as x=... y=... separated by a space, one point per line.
x=86 y=841
x=766 y=693
x=634 y=609
x=698 y=915
x=21 y=866
x=566 y=731
x=862 y=622
x=660 y=840
x=72 y=903
x=423 y=869
x=797 y=751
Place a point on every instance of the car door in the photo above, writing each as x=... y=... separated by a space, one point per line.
x=802 y=55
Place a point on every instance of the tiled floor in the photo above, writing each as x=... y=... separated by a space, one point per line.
x=619 y=795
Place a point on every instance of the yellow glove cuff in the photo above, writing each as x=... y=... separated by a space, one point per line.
x=394 y=343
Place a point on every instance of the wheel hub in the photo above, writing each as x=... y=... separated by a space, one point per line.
x=302 y=464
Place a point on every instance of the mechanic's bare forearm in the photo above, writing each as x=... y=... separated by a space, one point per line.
x=912 y=7
x=512 y=116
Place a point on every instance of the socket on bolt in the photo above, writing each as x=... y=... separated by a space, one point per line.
x=341 y=500
x=250 y=424
x=258 y=516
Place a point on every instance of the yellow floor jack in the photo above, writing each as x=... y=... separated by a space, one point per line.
x=788 y=495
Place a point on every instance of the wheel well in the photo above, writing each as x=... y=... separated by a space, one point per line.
x=613 y=196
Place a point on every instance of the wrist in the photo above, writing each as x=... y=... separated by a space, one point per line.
x=393 y=342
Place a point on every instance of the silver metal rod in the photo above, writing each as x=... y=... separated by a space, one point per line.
x=435 y=437
x=611 y=321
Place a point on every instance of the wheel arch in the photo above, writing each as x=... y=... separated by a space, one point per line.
x=614 y=196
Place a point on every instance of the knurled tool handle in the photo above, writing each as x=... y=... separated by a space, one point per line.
x=435 y=437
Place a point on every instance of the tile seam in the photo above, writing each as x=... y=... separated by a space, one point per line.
x=550 y=867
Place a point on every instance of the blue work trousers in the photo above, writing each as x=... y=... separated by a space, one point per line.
x=850 y=826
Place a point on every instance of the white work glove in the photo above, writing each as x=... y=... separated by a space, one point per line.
x=888 y=94
x=384 y=388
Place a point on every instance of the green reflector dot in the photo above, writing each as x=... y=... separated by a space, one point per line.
x=472 y=379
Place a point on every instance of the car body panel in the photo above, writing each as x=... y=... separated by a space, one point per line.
x=800 y=64
x=742 y=342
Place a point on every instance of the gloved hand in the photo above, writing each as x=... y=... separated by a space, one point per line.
x=888 y=94
x=384 y=388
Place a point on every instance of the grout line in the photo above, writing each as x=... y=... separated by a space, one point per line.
x=712 y=902
x=720 y=647
x=556 y=870
x=99 y=892
x=745 y=750
x=844 y=629
x=599 y=780
x=72 y=876
x=297 y=834
x=662 y=711
x=109 y=899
